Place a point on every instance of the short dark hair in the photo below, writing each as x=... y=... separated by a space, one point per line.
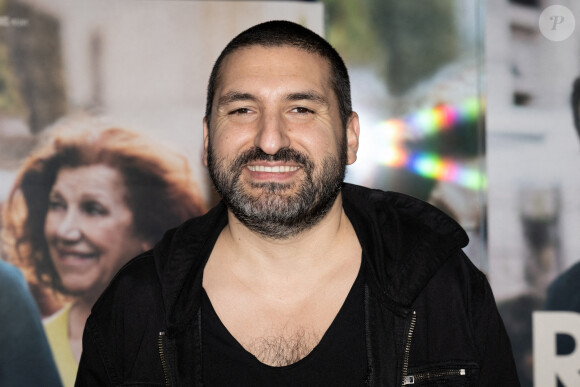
x=278 y=33
x=575 y=100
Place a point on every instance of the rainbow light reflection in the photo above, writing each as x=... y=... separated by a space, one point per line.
x=429 y=122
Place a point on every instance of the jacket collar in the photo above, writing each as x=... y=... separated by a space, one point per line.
x=180 y=258
x=404 y=240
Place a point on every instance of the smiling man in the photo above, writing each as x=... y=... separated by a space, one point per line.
x=296 y=278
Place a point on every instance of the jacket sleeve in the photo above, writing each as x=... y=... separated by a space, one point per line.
x=120 y=340
x=497 y=362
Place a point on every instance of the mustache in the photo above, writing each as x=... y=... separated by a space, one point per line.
x=257 y=154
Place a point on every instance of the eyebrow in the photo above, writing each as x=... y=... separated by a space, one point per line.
x=234 y=96
x=54 y=193
x=308 y=96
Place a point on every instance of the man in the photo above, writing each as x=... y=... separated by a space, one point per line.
x=296 y=278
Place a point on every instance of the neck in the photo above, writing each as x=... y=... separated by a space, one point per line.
x=79 y=312
x=303 y=252
x=283 y=273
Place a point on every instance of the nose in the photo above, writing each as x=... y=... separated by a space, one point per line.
x=273 y=134
x=69 y=229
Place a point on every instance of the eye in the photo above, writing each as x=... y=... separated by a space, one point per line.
x=94 y=208
x=240 y=111
x=302 y=110
x=55 y=204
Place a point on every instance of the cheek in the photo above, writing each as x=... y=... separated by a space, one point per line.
x=216 y=145
x=316 y=143
x=119 y=241
x=227 y=138
x=108 y=233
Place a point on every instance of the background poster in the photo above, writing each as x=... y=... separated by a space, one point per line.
x=144 y=63
x=416 y=73
x=143 y=66
x=533 y=161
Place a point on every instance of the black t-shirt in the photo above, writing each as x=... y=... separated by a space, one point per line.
x=339 y=359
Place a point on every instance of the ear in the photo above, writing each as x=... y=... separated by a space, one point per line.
x=205 y=141
x=352 y=133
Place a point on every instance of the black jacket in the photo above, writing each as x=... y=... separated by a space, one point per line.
x=429 y=312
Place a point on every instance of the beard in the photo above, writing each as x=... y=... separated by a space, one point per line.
x=275 y=211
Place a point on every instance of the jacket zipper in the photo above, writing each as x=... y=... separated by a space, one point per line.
x=162 y=356
x=422 y=376
x=370 y=360
x=408 y=348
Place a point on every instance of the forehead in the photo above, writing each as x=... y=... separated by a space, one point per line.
x=96 y=178
x=278 y=64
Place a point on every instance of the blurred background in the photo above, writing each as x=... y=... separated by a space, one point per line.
x=463 y=103
x=533 y=161
x=416 y=73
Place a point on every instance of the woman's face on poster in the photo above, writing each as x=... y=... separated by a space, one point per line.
x=89 y=228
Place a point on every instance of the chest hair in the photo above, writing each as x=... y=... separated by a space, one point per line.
x=283 y=349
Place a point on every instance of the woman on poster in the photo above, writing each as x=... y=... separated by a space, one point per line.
x=81 y=207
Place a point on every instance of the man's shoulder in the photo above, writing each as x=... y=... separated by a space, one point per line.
x=387 y=209
x=569 y=278
x=135 y=281
x=372 y=198
x=402 y=237
x=10 y=276
x=563 y=293
x=152 y=275
x=192 y=235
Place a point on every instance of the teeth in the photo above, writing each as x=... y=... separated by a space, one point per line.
x=276 y=169
x=79 y=255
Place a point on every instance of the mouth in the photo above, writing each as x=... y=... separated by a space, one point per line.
x=71 y=256
x=273 y=169
x=70 y=261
